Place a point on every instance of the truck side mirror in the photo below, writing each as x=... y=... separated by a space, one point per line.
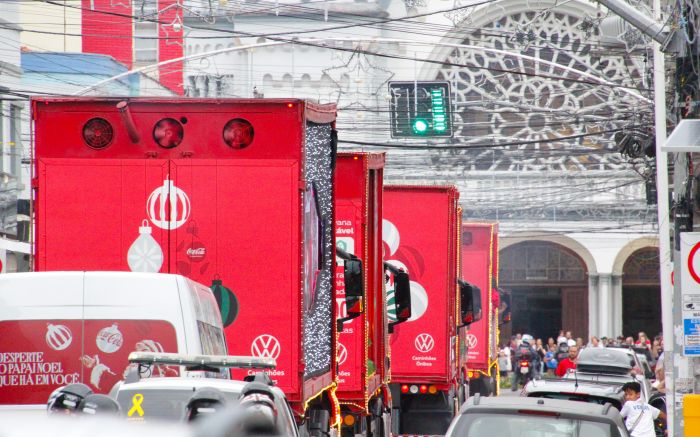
x=470 y=303
x=354 y=286
x=504 y=307
x=402 y=295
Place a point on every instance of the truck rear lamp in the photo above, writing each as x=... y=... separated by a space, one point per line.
x=470 y=374
x=168 y=133
x=413 y=389
x=349 y=420
x=432 y=389
x=423 y=388
x=238 y=133
x=404 y=388
x=98 y=133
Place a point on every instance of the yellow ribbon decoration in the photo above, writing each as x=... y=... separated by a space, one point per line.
x=136 y=402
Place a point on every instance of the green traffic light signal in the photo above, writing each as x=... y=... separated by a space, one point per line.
x=420 y=126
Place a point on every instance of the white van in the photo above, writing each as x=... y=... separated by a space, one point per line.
x=57 y=328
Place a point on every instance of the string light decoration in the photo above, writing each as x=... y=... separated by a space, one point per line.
x=317 y=320
x=413 y=4
x=460 y=14
x=356 y=76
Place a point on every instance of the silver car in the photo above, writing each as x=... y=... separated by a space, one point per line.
x=535 y=417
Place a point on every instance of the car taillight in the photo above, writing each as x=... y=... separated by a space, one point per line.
x=238 y=133
x=168 y=133
x=98 y=133
x=524 y=364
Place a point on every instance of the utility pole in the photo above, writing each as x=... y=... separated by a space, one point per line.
x=655 y=30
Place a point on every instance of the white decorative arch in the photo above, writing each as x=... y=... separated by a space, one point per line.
x=491 y=12
x=562 y=240
x=627 y=250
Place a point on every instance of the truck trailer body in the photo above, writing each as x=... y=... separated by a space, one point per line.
x=480 y=267
x=421 y=235
x=236 y=194
x=363 y=341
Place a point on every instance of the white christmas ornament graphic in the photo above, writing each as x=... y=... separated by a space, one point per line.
x=145 y=254
x=168 y=206
x=390 y=235
x=58 y=337
x=109 y=339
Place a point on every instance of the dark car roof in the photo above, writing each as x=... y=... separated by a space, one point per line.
x=606 y=359
x=570 y=409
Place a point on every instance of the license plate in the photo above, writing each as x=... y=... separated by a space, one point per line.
x=524 y=370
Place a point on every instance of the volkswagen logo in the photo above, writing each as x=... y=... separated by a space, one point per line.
x=471 y=340
x=265 y=346
x=342 y=353
x=424 y=343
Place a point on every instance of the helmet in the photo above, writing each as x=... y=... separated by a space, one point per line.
x=67 y=399
x=527 y=338
x=99 y=405
x=204 y=401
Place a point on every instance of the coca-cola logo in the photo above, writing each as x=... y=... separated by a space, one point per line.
x=196 y=253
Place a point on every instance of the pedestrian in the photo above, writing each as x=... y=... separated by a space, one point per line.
x=595 y=342
x=541 y=351
x=561 y=338
x=642 y=340
x=639 y=416
x=550 y=342
x=504 y=360
x=579 y=342
x=550 y=360
x=567 y=363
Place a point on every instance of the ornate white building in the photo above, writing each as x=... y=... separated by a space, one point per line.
x=538 y=92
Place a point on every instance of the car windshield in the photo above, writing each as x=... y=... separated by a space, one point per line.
x=159 y=404
x=528 y=425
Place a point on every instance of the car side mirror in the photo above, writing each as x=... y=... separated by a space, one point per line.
x=470 y=303
x=401 y=304
x=354 y=286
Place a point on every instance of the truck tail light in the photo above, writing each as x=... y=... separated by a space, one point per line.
x=238 y=133
x=424 y=388
x=432 y=389
x=349 y=420
x=413 y=389
x=98 y=133
x=168 y=133
x=469 y=317
x=404 y=388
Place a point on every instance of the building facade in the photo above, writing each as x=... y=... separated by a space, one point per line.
x=539 y=91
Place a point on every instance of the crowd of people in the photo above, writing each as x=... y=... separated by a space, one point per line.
x=559 y=354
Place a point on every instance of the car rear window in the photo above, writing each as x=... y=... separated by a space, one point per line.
x=159 y=404
x=516 y=425
x=580 y=397
x=38 y=356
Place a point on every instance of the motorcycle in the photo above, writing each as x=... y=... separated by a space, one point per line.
x=525 y=371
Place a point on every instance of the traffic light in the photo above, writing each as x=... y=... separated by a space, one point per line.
x=420 y=109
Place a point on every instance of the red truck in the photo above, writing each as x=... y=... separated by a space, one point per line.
x=480 y=268
x=421 y=230
x=234 y=193
x=363 y=367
